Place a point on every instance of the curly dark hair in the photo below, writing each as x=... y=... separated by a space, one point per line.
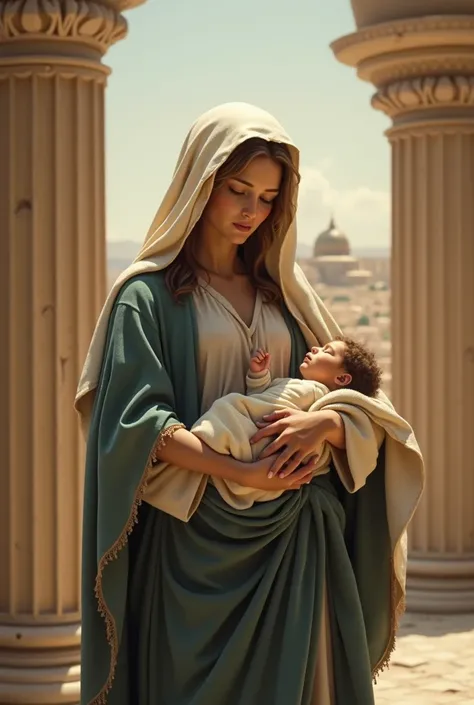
x=363 y=367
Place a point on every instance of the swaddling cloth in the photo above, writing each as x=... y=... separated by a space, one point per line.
x=230 y=423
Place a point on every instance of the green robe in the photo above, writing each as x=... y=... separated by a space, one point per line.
x=224 y=609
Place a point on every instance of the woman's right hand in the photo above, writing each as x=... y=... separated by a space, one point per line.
x=256 y=475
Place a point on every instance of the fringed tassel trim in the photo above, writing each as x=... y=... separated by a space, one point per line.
x=112 y=554
x=397 y=611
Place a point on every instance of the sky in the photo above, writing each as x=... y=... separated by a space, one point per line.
x=182 y=57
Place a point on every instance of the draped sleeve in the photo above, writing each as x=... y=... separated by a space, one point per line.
x=134 y=413
x=137 y=411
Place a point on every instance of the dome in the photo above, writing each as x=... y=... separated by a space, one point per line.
x=331 y=242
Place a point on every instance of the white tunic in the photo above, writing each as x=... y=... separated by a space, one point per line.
x=226 y=343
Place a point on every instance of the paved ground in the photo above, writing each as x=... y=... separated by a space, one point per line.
x=433 y=663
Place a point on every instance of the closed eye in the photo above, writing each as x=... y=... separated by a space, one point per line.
x=268 y=202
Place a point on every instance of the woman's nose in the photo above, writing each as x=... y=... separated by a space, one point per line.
x=314 y=350
x=249 y=209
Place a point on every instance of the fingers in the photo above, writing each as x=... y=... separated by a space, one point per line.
x=289 y=466
x=284 y=457
x=305 y=472
x=260 y=355
x=277 y=446
x=277 y=415
x=292 y=484
x=274 y=424
x=272 y=429
x=260 y=361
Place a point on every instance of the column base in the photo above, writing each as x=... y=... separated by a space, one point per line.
x=40 y=665
x=441 y=586
x=40 y=686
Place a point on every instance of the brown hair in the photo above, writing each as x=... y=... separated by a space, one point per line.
x=181 y=277
x=363 y=367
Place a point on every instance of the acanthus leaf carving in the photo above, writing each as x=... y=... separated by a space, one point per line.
x=32 y=20
x=74 y=15
x=424 y=92
x=86 y=21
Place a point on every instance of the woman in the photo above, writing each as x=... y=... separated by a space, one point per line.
x=186 y=600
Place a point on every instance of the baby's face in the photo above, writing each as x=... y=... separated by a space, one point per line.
x=325 y=364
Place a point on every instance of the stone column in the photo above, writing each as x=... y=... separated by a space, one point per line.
x=423 y=71
x=52 y=284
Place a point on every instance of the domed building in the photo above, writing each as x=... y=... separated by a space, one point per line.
x=331 y=242
x=333 y=260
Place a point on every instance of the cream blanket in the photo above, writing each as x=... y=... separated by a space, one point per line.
x=230 y=423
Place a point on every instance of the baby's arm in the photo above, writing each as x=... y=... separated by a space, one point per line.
x=258 y=376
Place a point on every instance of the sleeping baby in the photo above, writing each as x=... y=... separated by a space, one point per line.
x=230 y=423
x=342 y=375
x=341 y=363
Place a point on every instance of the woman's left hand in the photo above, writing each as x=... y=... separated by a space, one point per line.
x=300 y=437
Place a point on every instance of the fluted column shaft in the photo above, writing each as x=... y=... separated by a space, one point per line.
x=423 y=69
x=433 y=351
x=52 y=285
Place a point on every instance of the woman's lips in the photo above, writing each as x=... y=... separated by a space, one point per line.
x=241 y=227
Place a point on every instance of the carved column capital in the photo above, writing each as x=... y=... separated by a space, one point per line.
x=422 y=68
x=425 y=93
x=94 y=23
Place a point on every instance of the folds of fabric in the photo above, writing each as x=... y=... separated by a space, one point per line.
x=230 y=423
x=136 y=407
x=369 y=423
x=232 y=605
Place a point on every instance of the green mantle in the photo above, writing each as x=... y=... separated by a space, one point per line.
x=225 y=608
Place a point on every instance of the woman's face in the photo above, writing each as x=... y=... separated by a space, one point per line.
x=237 y=207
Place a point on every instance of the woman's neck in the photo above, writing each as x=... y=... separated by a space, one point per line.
x=219 y=258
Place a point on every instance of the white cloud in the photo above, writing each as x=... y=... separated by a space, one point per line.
x=362 y=213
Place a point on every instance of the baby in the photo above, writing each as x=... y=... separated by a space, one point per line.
x=230 y=423
x=342 y=375
x=341 y=363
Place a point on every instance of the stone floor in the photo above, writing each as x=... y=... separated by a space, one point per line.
x=433 y=663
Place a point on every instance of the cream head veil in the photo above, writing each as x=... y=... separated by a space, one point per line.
x=212 y=138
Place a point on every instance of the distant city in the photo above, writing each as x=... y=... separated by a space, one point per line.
x=121 y=252
x=354 y=285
